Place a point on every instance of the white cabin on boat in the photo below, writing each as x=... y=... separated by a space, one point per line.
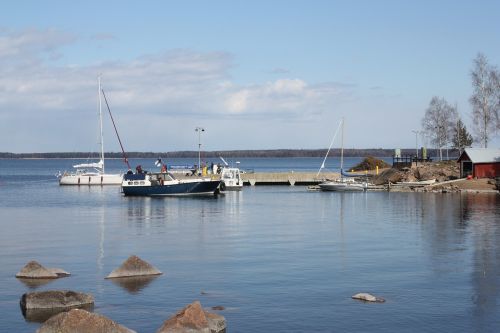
x=231 y=179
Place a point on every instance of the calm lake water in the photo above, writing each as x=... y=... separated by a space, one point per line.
x=278 y=258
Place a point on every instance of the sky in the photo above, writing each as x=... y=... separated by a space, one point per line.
x=254 y=74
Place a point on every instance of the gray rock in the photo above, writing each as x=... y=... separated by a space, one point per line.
x=193 y=319
x=33 y=270
x=42 y=315
x=81 y=321
x=134 y=266
x=52 y=299
x=368 y=298
x=59 y=272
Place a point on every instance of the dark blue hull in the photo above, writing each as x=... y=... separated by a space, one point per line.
x=194 y=188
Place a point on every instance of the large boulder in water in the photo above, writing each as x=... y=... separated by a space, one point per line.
x=33 y=270
x=55 y=299
x=134 y=266
x=193 y=319
x=40 y=306
x=79 y=321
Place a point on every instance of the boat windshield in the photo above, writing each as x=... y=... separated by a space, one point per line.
x=165 y=176
x=229 y=174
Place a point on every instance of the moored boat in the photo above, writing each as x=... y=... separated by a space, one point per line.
x=343 y=185
x=84 y=176
x=230 y=177
x=94 y=173
x=417 y=183
x=165 y=184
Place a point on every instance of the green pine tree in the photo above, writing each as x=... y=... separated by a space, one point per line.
x=461 y=138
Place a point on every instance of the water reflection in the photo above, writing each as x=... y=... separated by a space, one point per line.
x=481 y=213
x=233 y=202
x=135 y=284
x=35 y=283
x=101 y=225
x=462 y=228
x=41 y=315
x=146 y=212
x=142 y=212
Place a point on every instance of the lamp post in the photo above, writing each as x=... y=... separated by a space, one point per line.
x=440 y=129
x=199 y=130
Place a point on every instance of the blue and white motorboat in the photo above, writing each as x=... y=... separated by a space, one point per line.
x=165 y=184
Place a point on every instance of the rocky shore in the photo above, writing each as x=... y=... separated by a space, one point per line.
x=67 y=311
x=446 y=175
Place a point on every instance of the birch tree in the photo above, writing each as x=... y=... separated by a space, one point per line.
x=484 y=99
x=439 y=122
x=495 y=79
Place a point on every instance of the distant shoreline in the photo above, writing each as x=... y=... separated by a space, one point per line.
x=226 y=154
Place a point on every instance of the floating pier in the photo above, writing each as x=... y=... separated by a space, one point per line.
x=287 y=178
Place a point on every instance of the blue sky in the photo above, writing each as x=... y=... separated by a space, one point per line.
x=255 y=74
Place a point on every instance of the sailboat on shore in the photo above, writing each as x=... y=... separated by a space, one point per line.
x=345 y=183
x=92 y=173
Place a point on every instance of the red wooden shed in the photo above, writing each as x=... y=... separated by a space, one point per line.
x=480 y=162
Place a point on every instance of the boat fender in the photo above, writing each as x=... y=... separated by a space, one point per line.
x=222 y=186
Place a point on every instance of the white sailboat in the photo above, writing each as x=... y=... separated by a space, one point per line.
x=92 y=173
x=343 y=184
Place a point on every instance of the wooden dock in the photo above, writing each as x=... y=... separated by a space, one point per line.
x=286 y=178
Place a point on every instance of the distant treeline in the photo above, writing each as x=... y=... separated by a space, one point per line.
x=233 y=153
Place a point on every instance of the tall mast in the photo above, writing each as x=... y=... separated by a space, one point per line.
x=342 y=150
x=100 y=121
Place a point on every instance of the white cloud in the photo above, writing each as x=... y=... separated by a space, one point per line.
x=179 y=84
x=28 y=45
x=238 y=101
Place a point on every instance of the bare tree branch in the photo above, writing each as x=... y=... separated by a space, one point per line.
x=484 y=99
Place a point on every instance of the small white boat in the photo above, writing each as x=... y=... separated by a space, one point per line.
x=92 y=173
x=417 y=184
x=230 y=178
x=343 y=185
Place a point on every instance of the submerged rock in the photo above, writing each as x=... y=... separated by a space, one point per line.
x=194 y=319
x=134 y=266
x=78 y=321
x=368 y=298
x=52 y=299
x=218 y=308
x=33 y=270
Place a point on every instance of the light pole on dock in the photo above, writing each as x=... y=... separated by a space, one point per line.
x=199 y=130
